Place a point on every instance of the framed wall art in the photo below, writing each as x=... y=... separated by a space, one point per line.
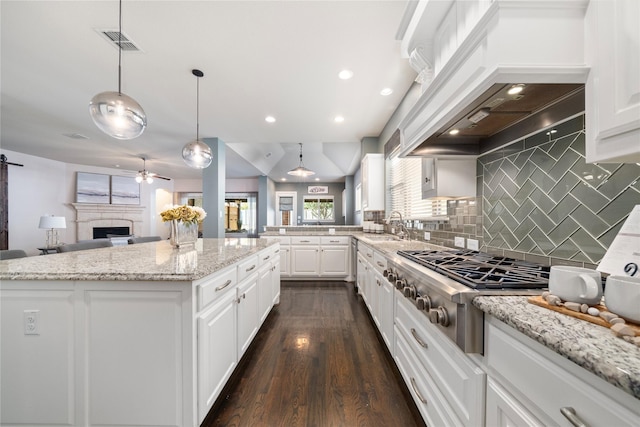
x=92 y=188
x=124 y=190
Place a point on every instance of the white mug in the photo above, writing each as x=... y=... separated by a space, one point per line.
x=622 y=297
x=575 y=284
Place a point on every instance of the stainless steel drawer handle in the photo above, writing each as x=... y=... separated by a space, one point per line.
x=417 y=338
x=380 y=264
x=250 y=268
x=268 y=256
x=334 y=241
x=369 y=255
x=415 y=388
x=278 y=251
x=221 y=287
x=305 y=241
x=570 y=414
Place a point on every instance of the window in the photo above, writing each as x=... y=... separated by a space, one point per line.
x=318 y=208
x=404 y=189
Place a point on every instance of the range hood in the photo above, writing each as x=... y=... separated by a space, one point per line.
x=499 y=116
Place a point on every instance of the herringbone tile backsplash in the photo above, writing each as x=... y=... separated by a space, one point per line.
x=539 y=196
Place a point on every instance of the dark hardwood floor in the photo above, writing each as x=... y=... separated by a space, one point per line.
x=317 y=361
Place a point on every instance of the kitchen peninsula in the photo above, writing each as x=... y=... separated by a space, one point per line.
x=141 y=334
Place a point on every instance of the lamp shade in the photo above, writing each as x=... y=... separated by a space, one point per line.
x=50 y=222
x=197 y=154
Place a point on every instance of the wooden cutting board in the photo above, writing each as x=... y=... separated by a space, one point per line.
x=538 y=300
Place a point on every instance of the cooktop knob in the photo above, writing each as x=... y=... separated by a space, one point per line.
x=439 y=316
x=424 y=303
x=410 y=291
x=401 y=284
x=385 y=272
x=392 y=277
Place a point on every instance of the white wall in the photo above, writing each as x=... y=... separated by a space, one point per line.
x=46 y=186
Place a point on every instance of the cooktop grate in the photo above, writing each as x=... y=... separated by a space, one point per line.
x=480 y=270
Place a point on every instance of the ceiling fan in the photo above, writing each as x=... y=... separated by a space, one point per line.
x=145 y=175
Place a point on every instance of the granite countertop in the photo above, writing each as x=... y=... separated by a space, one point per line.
x=144 y=261
x=593 y=347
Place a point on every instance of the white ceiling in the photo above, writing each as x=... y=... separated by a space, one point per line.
x=260 y=58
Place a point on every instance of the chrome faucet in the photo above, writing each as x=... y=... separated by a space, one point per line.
x=403 y=229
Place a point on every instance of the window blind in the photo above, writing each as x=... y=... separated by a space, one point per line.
x=404 y=189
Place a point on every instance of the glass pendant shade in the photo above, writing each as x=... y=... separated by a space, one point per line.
x=301 y=171
x=197 y=154
x=118 y=115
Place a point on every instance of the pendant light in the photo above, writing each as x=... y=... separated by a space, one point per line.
x=115 y=113
x=301 y=170
x=196 y=153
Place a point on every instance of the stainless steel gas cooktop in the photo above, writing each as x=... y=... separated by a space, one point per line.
x=480 y=270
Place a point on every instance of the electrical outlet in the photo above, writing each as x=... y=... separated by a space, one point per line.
x=31 y=322
x=427 y=235
x=472 y=244
x=459 y=242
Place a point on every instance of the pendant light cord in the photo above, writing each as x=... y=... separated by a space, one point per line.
x=197 y=108
x=120 y=49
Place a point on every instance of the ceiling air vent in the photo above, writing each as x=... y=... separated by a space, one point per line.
x=113 y=35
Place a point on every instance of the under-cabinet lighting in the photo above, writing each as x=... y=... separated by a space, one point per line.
x=515 y=89
x=454 y=131
x=479 y=115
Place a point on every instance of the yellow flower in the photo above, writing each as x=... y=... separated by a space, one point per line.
x=183 y=213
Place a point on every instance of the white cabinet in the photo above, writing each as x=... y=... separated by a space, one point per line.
x=248 y=313
x=612 y=93
x=275 y=280
x=305 y=261
x=459 y=382
x=503 y=410
x=265 y=290
x=548 y=385
x=217 y=350
x=385 y=310
x=448 y=178
x=335 y=259
x=372 y=171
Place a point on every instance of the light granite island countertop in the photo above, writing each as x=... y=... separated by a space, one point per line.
x=155 y=261
x=594 y=348
x=91 y=331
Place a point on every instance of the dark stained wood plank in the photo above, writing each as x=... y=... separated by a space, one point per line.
x=317 y=361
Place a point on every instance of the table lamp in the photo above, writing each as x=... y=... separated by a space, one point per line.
x=51 y=224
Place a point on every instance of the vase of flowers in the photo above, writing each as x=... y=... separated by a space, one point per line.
x=184 y=222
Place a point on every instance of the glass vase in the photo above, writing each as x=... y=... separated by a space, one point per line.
x=183 y=234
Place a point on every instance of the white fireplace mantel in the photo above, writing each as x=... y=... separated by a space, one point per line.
x=90 y=215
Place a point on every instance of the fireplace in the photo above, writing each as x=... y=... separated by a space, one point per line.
x=90 y=216
x=103 y=232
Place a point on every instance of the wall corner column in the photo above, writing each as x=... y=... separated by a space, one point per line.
x=213 y=190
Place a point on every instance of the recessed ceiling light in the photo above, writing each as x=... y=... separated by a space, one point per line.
x=270 y=119
x=345 y=74
x=386 y=91
x=339 y=119
x=454 y=131
x=283 y=179
x=317 y=179
x=515 y=89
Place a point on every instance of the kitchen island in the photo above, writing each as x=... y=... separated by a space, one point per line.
x=141 y=334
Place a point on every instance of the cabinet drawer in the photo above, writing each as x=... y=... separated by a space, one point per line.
x=429 y=401
x=334 y=240
x=268 y=254
x=284 y=240
x=212 y=289
x=460 y=380
x=305 y=240
x=549 y=386
x=366 y=251
x=379 y=262
x=246 y=267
